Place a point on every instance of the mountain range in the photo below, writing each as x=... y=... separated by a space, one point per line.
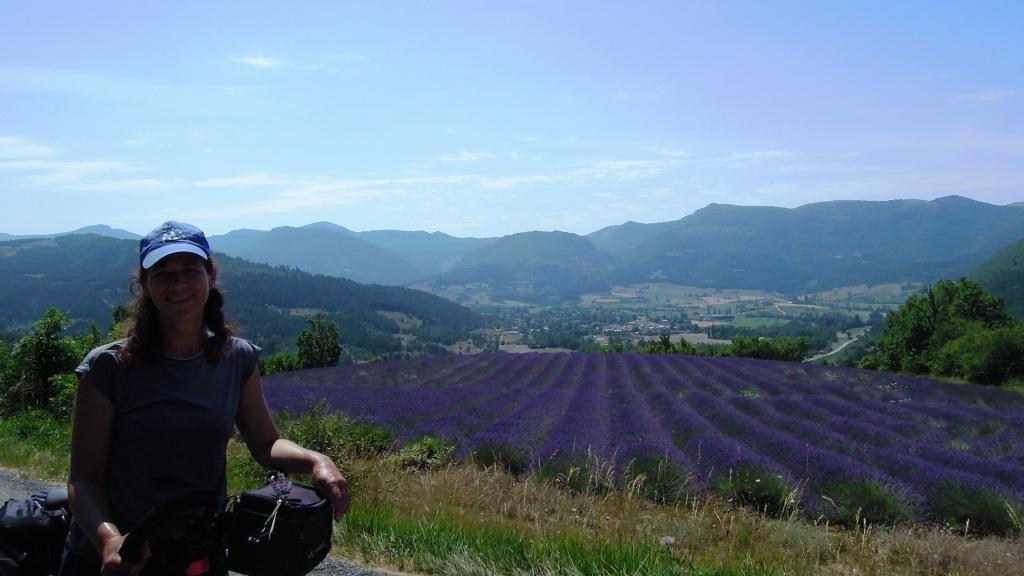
x=87 y=275
x=790 y=250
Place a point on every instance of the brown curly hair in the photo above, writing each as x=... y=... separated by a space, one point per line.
x=143 y=333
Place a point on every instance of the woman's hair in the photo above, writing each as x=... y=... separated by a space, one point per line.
x=143 y=332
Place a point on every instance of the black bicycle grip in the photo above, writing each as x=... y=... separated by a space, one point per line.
x=158 y=517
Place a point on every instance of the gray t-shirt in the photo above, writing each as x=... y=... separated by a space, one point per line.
x=172 y=422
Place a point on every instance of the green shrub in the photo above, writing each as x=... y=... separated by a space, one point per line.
x=980 y=511
x=983 y=356
x=758 y=488
x=278 y=363
x=63 y=387
x=854 y=503
x=579 y=473
x=334 y=434
x=658 y=479
x=39 y=430
x=426 y=453
x=502 y=456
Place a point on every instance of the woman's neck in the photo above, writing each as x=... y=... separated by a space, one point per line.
x=182 y=341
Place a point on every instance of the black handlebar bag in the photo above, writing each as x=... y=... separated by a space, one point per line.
x=281 y=529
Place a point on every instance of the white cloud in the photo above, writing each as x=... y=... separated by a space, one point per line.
x=987 y=96
x=12 y=147
x=464 y=156
x=263 y=62
x=622 y=170
x=507 y=182
x=55 y=172
x=137 y=140
x=122 y=185
x=246 y=181
x=670 y=152
x=272 y=63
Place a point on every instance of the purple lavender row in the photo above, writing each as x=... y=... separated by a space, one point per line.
x=585 y=426
x=868 y=443
x=482 y=401
x=798 y=458
x=940 y=465
x=636 y=432
x=529 y=426
x=707 y=450
x=395 y=407
x=786 y=451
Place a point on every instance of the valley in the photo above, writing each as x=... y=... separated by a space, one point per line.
x=631 y=315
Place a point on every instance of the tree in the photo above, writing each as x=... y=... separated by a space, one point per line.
x=37 y=358
x=318 y=342
x=781 y=348
x=925 y=323
x=953 y=329
x=985 y=356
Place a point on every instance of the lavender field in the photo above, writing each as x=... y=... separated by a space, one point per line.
x=843 y=444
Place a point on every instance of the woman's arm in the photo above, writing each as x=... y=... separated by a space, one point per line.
x=274 y=452
x=90 y=451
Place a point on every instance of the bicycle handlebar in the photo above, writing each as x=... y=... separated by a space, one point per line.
x=159 y=517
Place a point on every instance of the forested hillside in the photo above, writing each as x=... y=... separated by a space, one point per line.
x=1003 y=275
x=87 y=275
x=808 y=249
x=318 y=250
x=811 y=248
x=547 y=267
x=824 y=245
x=394 y=257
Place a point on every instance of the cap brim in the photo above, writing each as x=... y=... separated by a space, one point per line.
x=173 y=248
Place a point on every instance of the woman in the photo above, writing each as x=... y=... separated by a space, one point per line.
x=154 y=411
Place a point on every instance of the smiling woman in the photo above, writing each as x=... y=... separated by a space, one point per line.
x=154 y=413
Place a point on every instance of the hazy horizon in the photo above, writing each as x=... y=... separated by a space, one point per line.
x=141 y=232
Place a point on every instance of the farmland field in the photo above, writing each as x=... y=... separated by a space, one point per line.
x=847 y=445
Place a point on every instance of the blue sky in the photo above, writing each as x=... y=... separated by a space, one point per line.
x=488 y=118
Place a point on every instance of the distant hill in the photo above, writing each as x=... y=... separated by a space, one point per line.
x=318 y=250
x=100 y=229
x=431 y=252
x=1003 y=274
x=823 y=245
x=87 y=275
x=393 y=257
x=623 y=237
x=104 y=230
x=545 y=267
x=810 y=248
x=791 y=250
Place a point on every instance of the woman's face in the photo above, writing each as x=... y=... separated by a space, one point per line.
x=179 y=285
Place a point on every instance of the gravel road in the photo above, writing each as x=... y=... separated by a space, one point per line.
x=13 y=486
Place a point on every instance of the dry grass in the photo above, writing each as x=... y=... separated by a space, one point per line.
x=707 y=532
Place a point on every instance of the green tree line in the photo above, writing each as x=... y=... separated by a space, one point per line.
x=778 y=348
x=37 y=370
x=954 y=329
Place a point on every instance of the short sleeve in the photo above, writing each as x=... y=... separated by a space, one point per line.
x=99 y=366
x=247 y=355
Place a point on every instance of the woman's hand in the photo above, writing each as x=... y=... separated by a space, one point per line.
x=112 y=562
x=331 y=483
